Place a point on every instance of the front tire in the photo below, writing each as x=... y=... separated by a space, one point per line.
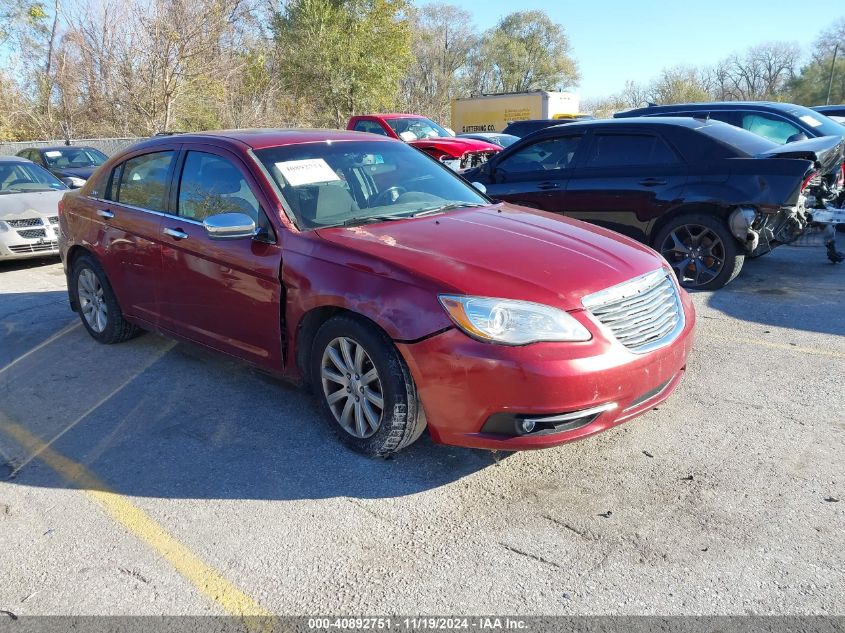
x=701 y=250
x=98 y=308
x=364 y=387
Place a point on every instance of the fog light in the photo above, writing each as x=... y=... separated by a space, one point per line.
x=526 y=426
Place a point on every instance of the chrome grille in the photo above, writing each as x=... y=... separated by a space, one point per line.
x=35 y=248
x=643 y=313
x=32 y=234
x=22 y=224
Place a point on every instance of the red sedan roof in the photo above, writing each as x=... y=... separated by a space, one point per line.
x=268 y=137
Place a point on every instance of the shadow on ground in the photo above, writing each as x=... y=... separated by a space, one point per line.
x=156 y=419
x=792 y=288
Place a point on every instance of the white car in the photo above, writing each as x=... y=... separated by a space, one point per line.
x=29 y=217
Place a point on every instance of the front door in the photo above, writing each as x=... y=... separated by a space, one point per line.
x=536 y=174
x=223 y=293
x=625 y=181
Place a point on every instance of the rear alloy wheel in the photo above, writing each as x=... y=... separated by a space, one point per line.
x=98 y=308
x=365 y=387
x=701 y=251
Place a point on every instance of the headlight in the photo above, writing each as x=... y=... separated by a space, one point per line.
x=512 y=322
x=73 y=181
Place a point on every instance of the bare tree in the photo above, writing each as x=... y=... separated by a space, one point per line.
x=761 y=72
x=443 y=40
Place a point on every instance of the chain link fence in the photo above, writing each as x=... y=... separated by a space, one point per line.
x=106 y=145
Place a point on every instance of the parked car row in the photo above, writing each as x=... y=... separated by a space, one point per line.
x=415 y=280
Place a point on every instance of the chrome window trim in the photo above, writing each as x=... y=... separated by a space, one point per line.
x=150 y=211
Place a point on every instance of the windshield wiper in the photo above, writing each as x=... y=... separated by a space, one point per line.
x=369 y=219
x=446 y=207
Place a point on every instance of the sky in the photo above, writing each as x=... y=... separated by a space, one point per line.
x=617 y=40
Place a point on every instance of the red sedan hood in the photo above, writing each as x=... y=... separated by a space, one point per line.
x=456 y=147
x=503 y=251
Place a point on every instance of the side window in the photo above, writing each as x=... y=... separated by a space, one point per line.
x=210 y=184
x=727 y=116
x=143 y=181
x=773 y=128
x=369 y=126
x=619 y=150
x=98 y=185
x=546 y=155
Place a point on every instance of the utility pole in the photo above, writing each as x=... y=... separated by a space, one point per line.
x=830 y=80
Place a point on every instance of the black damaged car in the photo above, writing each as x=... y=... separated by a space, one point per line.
x=703 y=193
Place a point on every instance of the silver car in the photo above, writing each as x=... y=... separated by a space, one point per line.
x=29 y=217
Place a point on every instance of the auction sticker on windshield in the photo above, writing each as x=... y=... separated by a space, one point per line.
x=306 y=172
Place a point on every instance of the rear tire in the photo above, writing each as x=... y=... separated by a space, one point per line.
x=98 y=308
x=701 y=250
x=364 y=387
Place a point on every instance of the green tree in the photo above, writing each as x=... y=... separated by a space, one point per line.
x=525 y=51
x=810 y=86
x=343 y=57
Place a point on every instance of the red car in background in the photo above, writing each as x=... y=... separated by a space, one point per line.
x=406 y=298
x=424 y=134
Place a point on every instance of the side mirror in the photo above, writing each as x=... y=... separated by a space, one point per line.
x=479 y=186
x=800 y=136
x=229 y=226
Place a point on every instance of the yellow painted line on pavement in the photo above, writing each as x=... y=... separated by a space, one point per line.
x=816 y=351
x=42 y=345
x=169 y=346
x=206 y=579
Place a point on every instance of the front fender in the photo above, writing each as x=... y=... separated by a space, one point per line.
x=405 y=309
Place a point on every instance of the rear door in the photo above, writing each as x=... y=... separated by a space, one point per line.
x=129 y=211
x=626 y=179
x=535 y=175
x=225 y=294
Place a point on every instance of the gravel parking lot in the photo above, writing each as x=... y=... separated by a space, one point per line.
x=156 y=478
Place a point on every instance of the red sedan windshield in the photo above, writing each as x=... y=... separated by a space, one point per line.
x=337 y=183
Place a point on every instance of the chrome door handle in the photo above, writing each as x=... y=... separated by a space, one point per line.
x=176 y=234
x=105 y=213
x=547 y=185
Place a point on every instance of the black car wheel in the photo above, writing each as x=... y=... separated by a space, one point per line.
x=98 y=308
x=701 y=250
x=365 y=387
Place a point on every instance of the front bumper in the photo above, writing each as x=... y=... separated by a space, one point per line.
x=464 y=384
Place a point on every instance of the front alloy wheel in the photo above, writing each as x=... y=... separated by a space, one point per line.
x=364 y=386
x=352 y=387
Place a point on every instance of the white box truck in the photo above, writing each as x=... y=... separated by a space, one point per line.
x=491 y=113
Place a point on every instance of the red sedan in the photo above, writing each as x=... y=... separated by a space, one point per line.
x=424 y=134
x=404 y=296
